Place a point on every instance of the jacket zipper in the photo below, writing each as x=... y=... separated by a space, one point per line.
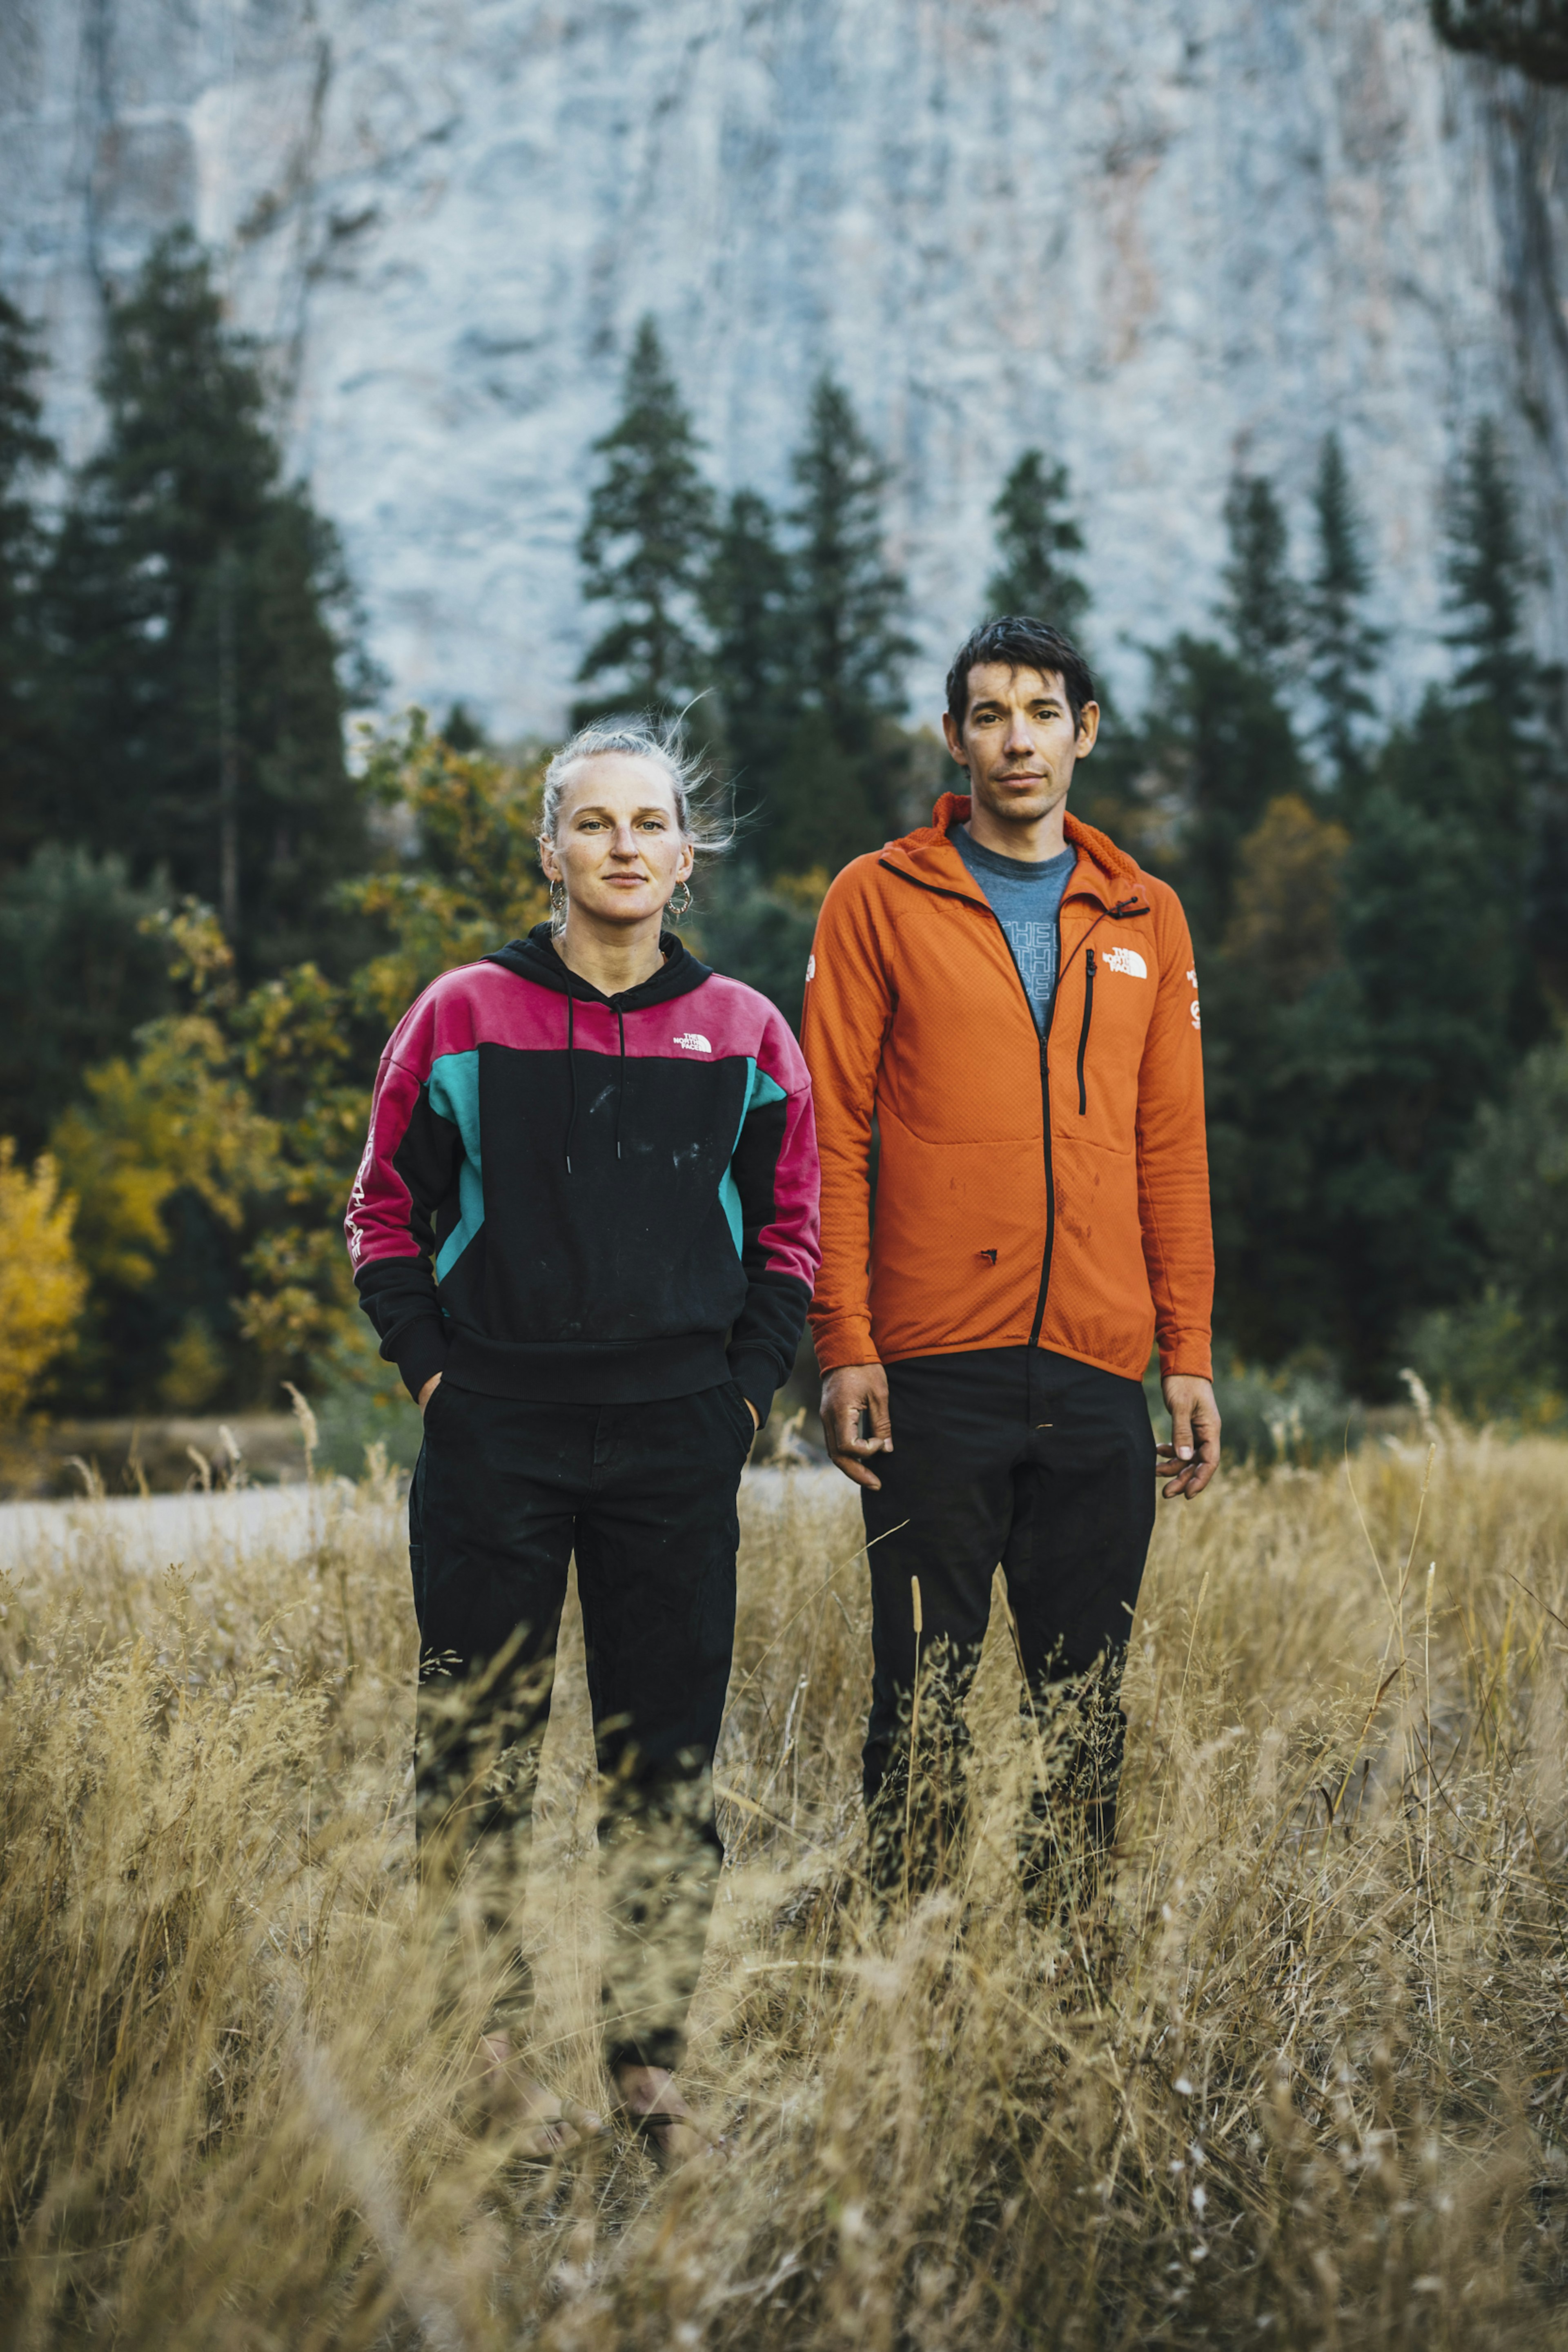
x=1084 y=1033
x=1117 y=914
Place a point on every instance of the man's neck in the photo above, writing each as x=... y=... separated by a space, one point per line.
x=611 y=960
x=1031 y=844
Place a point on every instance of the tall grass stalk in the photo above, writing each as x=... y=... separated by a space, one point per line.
x=1299 y=2080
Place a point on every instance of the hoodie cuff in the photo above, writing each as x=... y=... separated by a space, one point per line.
x=1188 y=1359
x=419 y=1351
x=757 y=1377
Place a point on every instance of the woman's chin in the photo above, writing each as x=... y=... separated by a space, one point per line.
x=617 y=906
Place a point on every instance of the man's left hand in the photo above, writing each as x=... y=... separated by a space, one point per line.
x=1194 y=1450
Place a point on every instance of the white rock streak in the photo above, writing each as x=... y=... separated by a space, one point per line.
x=1153 y=239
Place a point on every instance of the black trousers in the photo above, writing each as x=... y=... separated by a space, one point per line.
x=504 y=1493
x=1046 y=1466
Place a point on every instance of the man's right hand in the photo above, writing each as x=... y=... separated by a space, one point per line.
x=847 y=1393
x=427 y=1391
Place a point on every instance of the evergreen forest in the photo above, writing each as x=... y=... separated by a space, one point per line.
x=218 y=893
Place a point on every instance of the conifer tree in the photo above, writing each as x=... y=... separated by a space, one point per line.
x=201 y=617
x=835 y=791
x=1262 y=603
x=747 y=603
x=644 y=546
x=1488 y=574
x=1036 y=532
x=1342 y=645
x=24 y=450
x=1416 y=1038
x=849 y=599
x=1509 y=717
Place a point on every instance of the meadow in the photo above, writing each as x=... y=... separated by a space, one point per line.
x=1300 y=2080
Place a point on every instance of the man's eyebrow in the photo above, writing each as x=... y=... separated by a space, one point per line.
x=997 y=702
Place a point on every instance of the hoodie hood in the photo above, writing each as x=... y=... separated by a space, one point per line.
x=534 y=959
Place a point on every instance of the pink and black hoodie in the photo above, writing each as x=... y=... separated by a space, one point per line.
x=567 y=1196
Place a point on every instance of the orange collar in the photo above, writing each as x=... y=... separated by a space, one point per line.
x=1103 y=870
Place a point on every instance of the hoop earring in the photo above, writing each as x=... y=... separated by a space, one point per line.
x=685 y=905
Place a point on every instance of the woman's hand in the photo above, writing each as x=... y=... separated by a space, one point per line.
x=427 y=1391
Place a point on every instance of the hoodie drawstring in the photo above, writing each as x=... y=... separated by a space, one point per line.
x=571 y=1064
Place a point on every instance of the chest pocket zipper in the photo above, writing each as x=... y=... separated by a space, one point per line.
x=1084 y=1033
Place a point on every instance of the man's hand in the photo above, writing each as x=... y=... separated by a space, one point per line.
x=853 y=1389
x=427 y=1391
x=1194 y=1450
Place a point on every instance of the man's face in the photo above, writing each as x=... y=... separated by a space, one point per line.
x=1018 y=742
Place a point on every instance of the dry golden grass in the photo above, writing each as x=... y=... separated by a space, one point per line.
x=1304 y=2085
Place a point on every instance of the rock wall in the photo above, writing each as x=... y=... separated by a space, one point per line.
x=1156 y=240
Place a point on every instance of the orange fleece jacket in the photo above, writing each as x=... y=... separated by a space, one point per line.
x=1050 y=1192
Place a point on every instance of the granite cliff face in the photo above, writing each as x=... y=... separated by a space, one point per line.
x=1156 y=239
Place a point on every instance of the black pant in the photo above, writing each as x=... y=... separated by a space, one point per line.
x=503 y=1493
x=1014 y=1455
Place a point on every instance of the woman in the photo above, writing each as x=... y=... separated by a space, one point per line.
x=585 y=1228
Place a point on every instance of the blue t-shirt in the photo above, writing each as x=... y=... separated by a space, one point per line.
x=1026 y=899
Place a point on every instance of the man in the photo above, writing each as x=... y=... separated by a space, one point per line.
x=1013 y=1001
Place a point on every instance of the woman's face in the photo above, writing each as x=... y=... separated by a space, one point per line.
x=618 y=846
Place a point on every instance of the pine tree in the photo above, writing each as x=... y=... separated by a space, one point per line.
x=1223 y=743
x=849 y=599
x=1505 y=710
x=746 y=600
x=1261 y=603
x=1035 y=531
x=201 y=616
x=24 y=450
x=1343 y=646
x=80 y=969
x=1490 y=574
x=1414 y=1040
x=644 y=545
x=836 y=784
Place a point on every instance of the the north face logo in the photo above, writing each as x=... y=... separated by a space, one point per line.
x=694 y=1044
x=1129 y=960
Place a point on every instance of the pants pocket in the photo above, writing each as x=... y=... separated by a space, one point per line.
x=740 y=1413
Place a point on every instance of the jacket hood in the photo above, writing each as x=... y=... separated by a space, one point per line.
x=1103 y=869
x=534 y=959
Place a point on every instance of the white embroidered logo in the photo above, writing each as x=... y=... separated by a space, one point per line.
x=1129 y=960
x=1197 y=1016
x=810 y=967
x=694 y=1044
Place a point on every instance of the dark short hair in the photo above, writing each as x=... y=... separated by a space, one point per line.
x=1022 y=643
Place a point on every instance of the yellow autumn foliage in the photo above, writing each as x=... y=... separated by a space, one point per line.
x=477 y=879
x=42 y=1287
x=178 y=1115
